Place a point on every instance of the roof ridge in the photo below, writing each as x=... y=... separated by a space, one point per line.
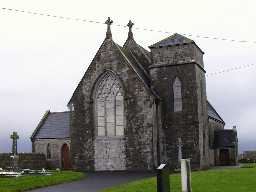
x=139 y=64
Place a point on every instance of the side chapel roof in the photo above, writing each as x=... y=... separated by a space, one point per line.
x=53 y=125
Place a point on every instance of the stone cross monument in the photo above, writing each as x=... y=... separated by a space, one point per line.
x=179 y=145
x=14 y=138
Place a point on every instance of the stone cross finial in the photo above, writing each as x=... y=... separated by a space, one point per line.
x=14 y=138
x=130 y=25
x=179 y=145
x=108 y=33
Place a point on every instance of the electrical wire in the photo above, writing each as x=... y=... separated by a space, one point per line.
x=228 y=70
x=119 y=25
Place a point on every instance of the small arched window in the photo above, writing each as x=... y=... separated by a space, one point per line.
x=109 y=109
x=177 y=96
x=48 y=151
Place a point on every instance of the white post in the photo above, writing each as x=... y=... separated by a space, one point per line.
x=185 y=175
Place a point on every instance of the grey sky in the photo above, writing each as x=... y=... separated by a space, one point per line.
x=43 y=59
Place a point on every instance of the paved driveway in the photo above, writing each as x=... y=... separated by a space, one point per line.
x=95 y=182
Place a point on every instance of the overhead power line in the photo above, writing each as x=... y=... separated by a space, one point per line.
x=228 y=70
x=236 y=68
x=119 y=25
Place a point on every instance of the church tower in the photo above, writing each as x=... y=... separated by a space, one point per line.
x=178 y=76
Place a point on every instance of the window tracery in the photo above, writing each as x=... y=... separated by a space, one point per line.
x=109 y=107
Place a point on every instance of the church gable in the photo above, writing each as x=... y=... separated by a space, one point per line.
x=113 y=99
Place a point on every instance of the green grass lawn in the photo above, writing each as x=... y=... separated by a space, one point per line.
x=228 y=180
x=31 y=182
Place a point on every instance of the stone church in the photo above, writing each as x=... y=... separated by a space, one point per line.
x=131 y=108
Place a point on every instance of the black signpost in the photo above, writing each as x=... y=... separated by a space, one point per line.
x=163 y=182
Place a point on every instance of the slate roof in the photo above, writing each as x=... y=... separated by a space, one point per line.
x=141 y=54
x=212 y=113
x=175 y=39
x=53 y=125
x=225 y=138
x=133 y=61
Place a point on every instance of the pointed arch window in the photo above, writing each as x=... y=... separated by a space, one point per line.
x=109 y=107
x=177 y=96
x=48 y=151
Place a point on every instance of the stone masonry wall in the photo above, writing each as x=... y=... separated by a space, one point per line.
x=40 y=146
x=109 y=153
x=202 y=118
x=138 y=112
x=174 y=55
x=25 y=161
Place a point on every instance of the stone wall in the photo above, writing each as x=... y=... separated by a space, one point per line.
x=5 y=160
x=25 y=161
x=40 y=146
